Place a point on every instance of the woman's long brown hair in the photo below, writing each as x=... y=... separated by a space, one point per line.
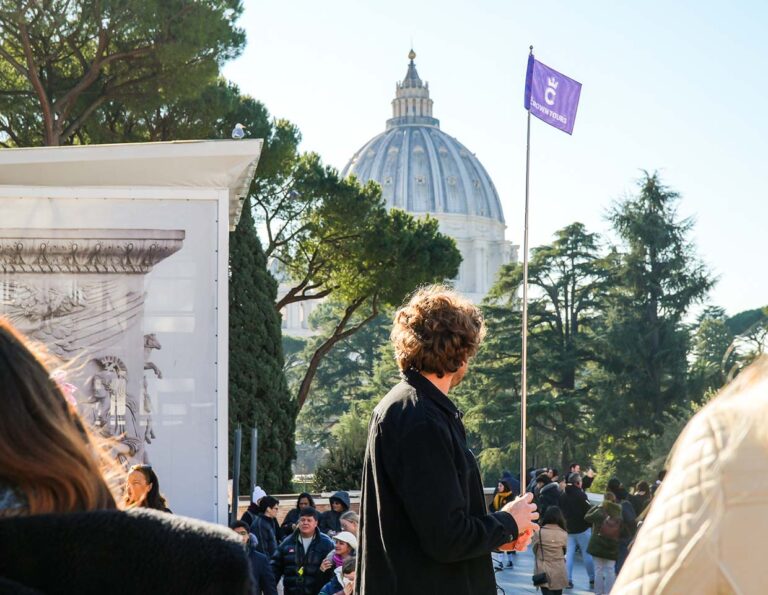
x=45 y=449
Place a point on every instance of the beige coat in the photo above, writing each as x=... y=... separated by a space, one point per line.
x=707 y=529
x=552 y=540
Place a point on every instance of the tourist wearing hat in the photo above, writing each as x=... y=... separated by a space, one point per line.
x=345 y=546
x=253 y=508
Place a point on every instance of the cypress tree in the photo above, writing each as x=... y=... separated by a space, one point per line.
x=258 y=392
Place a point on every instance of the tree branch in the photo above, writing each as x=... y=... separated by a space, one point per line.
x=293 y=297
x=34 y=78
x=64 y=105
x=75 y=126
x=339 y=334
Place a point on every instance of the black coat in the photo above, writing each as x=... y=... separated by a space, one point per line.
x=264 y=530
x=109 y=551
x=287 y=528
x=290 y=556
x=574 y=504
x=331 y=520
x=261 y=571
x=639 y=502
x=549 y=495
x=424 y=528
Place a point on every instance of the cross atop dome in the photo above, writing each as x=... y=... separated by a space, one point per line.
x=412 y=104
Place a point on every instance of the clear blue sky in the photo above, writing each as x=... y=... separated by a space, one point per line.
x=678 y=87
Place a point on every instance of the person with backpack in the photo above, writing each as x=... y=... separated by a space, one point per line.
x=604 y=542
x=629 y=518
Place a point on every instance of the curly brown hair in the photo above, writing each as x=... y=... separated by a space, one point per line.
x=436 y=331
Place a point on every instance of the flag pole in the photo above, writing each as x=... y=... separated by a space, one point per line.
x=524 y=326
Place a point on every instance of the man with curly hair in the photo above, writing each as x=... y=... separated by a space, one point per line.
x=424 y=527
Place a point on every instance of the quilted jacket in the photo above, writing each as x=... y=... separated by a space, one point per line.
x=707 y=528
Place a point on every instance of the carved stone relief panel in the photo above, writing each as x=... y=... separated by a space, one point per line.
x=81 y=293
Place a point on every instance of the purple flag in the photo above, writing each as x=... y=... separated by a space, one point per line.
x=551 y=96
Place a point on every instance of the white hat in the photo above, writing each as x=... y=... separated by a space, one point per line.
x=258 y=494
x=348 y=538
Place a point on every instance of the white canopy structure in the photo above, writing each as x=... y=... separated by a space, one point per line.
x=116 y=257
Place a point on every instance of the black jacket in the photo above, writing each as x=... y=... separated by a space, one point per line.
x=639 y=502
x=261 y=571
x=331 y=520
x=574 y=504
x=287 y=528
x=109 y=551
x=549 y=495
x=424 y=528
x=290 y=557
x=264 y=530
x=250 y=514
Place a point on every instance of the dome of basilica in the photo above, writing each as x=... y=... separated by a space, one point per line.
x=423 y=170
x=420 y=168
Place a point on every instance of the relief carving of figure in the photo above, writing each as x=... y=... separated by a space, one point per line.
x=102 y=386
x=115 y=412
x=150 y=343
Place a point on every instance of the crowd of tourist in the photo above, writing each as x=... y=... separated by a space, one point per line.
x=602 y=532
x=311 y=552
x=65 y=501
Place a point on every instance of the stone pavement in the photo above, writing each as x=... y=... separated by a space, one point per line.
x=518 y=579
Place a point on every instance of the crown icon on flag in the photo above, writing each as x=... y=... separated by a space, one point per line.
x=545 y=87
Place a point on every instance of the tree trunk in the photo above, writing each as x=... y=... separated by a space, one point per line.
x=339 y=334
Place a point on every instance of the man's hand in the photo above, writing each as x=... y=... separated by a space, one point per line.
x=523 y=511
x=590 y=472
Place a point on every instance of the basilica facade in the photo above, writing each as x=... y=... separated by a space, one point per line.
x=425 y=171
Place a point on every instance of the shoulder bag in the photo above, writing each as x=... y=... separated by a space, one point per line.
x=542 y=577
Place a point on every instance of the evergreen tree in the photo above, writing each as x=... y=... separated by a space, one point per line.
x=712 y=358
x=63 y=62
x=567 y=279
x=258 y=392
x=344 y=375
x=656 y=281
